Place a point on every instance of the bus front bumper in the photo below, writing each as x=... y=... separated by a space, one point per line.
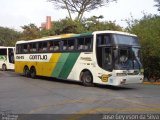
x=123 y=80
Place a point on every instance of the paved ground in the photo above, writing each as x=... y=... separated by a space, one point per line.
x=19 y=94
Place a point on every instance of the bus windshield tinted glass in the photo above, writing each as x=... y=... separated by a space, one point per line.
x=128 y=59
x=125 y=40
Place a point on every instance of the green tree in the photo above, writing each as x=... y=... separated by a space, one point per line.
x=8 y=37
x=30 y=31
x=67 y=26
x=86 y=25
x=157 y=4
x=148 y=30
x=44 y=32
x=79 y=7
x=93 y=24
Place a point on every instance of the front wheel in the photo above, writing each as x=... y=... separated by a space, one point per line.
x=87 y=78
x=4 y=67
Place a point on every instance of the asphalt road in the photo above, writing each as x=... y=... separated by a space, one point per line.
x=22 y=95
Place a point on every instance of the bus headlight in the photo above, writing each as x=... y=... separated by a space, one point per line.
x=141 y=71
x=121 y=74
x=123 y=81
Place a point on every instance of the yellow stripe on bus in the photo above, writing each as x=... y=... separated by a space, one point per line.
x=42 y=68
x=50 y=66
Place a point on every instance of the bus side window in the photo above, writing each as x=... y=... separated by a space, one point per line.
x=99 y=40
x=44 y=48
x=51 y=46
x=71 y=44
x=88 y=43
x=56 y=45
x=3 y=51
x=34 y=48
x=40 y=47
x=103 y=39
x=80 y=43
x=65 y=45
x=106 y=39
x=18 y=49
x=29 y=48
x=25 y=48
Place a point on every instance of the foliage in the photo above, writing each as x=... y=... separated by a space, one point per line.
x=8 y=36
x=79 y=6
x=30 y=31
x=148 y=30
x=44 y=33
x=86 y=25
x=158 y=4
x=93 y=24
x=67 y=26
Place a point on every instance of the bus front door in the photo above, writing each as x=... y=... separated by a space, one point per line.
x=11 y=55
x=107 y=62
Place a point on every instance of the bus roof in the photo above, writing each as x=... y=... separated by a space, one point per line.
x=115 y=32
x=74 y=35
x=6 y=47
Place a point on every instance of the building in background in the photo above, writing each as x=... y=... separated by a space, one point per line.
x=48 y=24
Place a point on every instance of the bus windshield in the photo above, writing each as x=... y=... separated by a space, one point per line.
x=127 y=58
x=119 y=52
x=125 y=40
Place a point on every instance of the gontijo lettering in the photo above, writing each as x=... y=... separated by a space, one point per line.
x=38 y=57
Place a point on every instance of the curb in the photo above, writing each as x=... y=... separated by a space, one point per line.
x=152 y=83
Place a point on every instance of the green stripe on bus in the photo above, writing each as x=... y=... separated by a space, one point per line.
x=83 y=34
x=72 y=58
x=60 y=64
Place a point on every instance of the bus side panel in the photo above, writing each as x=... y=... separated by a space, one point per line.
x=64 y=65
x=71 y=60
x=84 y=61
x=19 y=66
x=59 y=65
x=3 y=59
x=39 y=68
x=48 y=67
x=42 y=68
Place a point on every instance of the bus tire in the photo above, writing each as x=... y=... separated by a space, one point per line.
x=4 y=67
x=33 y=72
x=86 y=78
x=26 y=71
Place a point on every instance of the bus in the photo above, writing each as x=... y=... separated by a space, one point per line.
x=6 y=58
x=102 y=57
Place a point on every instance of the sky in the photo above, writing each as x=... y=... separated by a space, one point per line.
x=17 y=13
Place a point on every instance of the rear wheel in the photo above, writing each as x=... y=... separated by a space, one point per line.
x=4 y=67
x=86 y=78
x=33 y=72
x=26 y=72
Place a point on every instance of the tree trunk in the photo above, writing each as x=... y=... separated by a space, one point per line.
x=68 y=10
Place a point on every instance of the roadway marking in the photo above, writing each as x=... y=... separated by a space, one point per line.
x=148 y=108
x=152 y=83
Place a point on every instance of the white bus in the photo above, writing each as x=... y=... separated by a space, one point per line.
x=6 y=58
x=103 y=57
